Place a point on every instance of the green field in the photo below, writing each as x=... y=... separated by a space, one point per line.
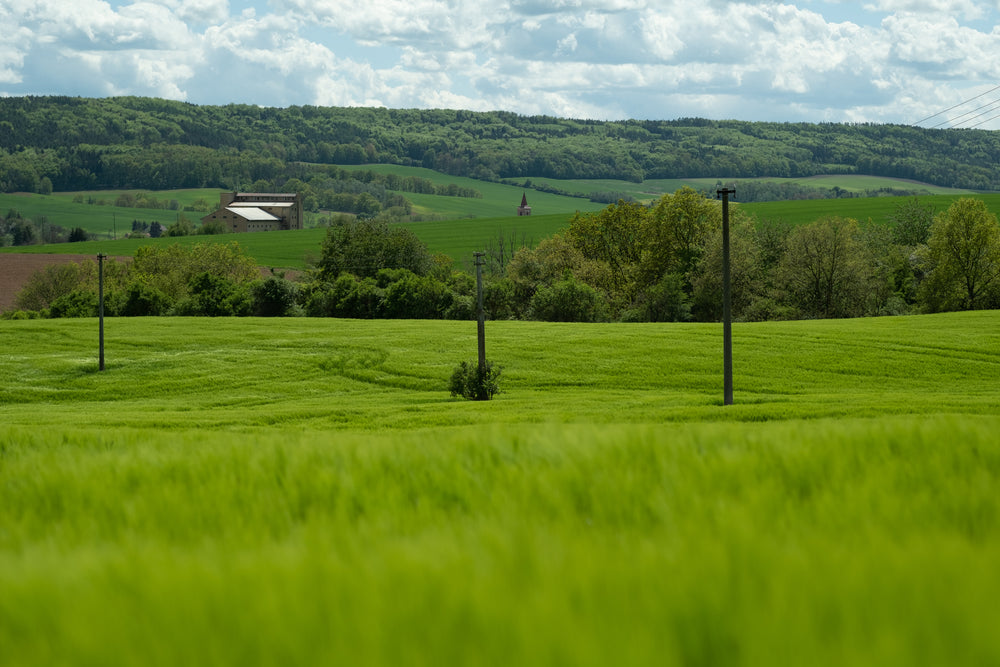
x=294 y=249
x=103 y=220
x=460 y=237
x=467 y=225
x=107 y=221
x=654 y=188
x=302 y=492
x=875 y=209
x=498 y=200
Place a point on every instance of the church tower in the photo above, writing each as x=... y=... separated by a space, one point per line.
x=524 y=209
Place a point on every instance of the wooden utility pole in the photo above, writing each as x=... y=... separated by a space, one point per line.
x=727 y=303
x=481 y=329
x=100 y=307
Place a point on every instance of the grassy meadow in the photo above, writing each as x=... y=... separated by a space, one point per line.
x=498 y=200
x=459 y=237
x=457 y=226
x=864 y=209
x=296 y=249
x=303 y=491
x=103 y=219
x=108 y=222
x=654 y=188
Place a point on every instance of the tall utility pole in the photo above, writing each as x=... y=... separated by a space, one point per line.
x=100 y=306
x=481 y=329
x=727 y=303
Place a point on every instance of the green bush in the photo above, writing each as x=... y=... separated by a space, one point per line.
x=568 y=301
x=462 y=308
x=141 y=299
x=211 y=295
x=347 y=296
x=417 y=297
x=665 y=301
x=47 y=285
x=767 y=309
x=78 y=303
x=500 y=299
x=212 y=227
x=20 y=315
x=469 y=382
x=183 y=227
x=319 y=300
x=365 y=247
x=274 y=297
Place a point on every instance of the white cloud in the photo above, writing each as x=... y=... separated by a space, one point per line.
x=91 y=24
x=662 y=36
x=12 y=51
x=592 y=58
x=461 y=24
x=567 y=44
x=942 y=47
x=968 y=9
x=198 y=11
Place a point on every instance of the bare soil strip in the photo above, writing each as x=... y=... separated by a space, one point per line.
x=16 y=268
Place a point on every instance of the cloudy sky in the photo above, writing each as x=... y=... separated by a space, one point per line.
x=893 y=61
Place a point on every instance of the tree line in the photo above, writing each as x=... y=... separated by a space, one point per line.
x=70 y=143
x=626 y=263
x=663 y=262
x=16 y=229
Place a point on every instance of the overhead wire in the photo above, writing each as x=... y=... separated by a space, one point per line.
x=962 y=121
x=984 y=122
x=967 y=116
x=922 y=120
x=953 y=122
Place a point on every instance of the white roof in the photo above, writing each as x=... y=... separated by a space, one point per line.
x=251 y=213
x=255 y=204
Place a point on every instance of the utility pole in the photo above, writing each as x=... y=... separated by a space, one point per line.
x=100 y=306
x=481 y=329
x=727 y=302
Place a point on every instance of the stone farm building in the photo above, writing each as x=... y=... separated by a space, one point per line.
x=257 y=211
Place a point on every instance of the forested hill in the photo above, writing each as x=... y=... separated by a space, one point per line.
x=78 y=143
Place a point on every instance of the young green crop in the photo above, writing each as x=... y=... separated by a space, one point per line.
x=823 y=542
x=298 y=492
x=219 y=372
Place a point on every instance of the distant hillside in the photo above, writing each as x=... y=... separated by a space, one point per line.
x=62 y=144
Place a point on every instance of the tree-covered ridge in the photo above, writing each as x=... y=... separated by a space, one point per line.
x=81 y=143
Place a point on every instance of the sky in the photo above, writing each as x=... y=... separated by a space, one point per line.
x=933 y=63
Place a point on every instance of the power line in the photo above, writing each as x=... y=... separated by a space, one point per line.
x=959 y=119
x=933 y=115
x=992 y=109
x=983 y=122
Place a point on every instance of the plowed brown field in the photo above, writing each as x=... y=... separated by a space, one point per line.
x=16 y=268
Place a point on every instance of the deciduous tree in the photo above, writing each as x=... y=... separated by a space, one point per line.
x=825 y=269
x=365 y=247
x=964 y=255
x=911 y=222
x=674 y=236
